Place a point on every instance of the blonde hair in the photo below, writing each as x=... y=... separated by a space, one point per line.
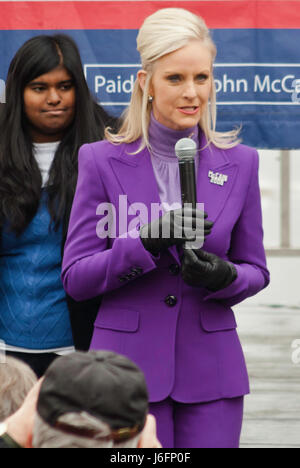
x=163 y=32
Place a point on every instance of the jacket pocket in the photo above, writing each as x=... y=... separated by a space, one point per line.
x=126 y=320
x=217 y=317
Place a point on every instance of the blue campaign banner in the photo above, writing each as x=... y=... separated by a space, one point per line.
x=257 y=71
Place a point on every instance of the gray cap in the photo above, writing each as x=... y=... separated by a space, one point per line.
x=103 y=384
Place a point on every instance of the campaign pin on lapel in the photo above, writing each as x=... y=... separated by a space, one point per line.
x=217 y=178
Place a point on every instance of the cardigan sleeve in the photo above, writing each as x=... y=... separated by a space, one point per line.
x=246 y=250
x=90 y=265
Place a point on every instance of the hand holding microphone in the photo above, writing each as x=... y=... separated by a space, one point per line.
x=173 y=228
x=199 y=268
x=186 y=224
x=177 y=227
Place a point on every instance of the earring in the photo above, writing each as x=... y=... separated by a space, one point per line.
x=150 y=99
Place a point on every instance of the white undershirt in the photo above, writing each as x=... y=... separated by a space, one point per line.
x=44 y=154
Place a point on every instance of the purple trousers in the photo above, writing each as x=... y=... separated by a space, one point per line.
x=215 y=424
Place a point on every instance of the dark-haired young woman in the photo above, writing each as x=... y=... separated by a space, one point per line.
x=48 y=115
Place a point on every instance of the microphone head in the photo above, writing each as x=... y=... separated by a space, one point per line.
x=185 y=149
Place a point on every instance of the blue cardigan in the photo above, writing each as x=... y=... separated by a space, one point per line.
x=33 y=307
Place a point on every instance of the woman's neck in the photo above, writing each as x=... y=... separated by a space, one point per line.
x=163 y=139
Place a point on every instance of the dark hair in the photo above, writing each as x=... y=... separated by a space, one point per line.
x=20 y=178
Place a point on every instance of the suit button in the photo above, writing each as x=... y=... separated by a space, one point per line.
x=174 y=269
x=137 y=271
x=171 y=301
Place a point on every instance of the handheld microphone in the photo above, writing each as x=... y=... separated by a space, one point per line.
x=185 y=150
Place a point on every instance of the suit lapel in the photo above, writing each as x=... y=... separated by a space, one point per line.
x=136 y=177
x=214 y=162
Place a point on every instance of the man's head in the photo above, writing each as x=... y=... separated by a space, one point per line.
x=95 y=399
x=16 y=380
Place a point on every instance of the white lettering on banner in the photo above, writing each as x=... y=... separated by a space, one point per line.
x=2 y=91
x=236 y=83
x=239 y=84
x=265 y=84
x=284 y=84
x=231 y=85
x=112 y=83
x=114 y=86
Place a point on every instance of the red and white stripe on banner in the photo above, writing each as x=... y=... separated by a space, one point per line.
x=71 y=15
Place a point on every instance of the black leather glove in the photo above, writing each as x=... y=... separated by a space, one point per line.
x=174 y=228
x=200 y=268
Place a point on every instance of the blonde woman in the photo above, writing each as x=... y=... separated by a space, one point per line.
x=166 y=308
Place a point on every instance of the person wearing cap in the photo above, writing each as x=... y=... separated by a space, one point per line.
x=95 y=399
x=164 y=305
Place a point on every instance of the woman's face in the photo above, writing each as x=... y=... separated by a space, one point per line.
x=181 y=86
x=49 y=104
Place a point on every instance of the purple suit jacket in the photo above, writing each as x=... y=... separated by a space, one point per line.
x=187 y=346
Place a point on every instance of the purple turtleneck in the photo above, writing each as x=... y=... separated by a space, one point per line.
x=164 y=161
